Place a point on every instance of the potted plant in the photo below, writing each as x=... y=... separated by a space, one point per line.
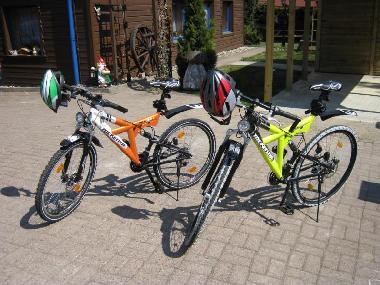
x=197 y=44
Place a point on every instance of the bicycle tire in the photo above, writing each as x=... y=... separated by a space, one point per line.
x=344 y=133
x=210 y=197
x=166 y=173
x=54 y=168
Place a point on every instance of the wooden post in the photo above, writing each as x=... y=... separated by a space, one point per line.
x=7 y=39
x=114 y=49
x=318 y=39
x=306 y=41
x=89 y=17
x=375 y=23
x=291 y=28
x=269 y=51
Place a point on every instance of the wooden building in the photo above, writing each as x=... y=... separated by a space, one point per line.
x=38 y=31
x=349 y=37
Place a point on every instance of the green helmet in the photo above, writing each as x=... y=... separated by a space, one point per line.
x=50 y=89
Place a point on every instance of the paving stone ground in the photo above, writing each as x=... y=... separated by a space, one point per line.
x=125 y=233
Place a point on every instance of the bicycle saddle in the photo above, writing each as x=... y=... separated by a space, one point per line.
x=169 y=83
x=327 y=86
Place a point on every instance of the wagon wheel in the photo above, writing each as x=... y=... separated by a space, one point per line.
x=143 y=47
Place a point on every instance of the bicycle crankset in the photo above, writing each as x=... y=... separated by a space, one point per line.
x=272 y=179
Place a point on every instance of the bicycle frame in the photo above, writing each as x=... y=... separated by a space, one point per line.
x=100 y=119
x=283 y=138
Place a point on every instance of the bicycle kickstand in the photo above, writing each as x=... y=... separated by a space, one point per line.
x=319 y=195
x=178 y=174
x=285 y=207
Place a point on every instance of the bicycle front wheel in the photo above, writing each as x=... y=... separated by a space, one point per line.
x=64 y=181
x=184 y=153
x=210 y=197
x=331 y=154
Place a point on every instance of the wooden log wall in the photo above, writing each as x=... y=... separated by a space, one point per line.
x=376 y=58
x=28 y=70
x=345 y=36
x=139 y=13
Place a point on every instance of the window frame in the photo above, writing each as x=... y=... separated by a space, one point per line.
x=179 y=20
x=208 y=8
x=227 y=17
x=7 y=45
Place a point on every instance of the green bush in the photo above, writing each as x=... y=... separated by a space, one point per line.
x=251 y=35
x=196 y=37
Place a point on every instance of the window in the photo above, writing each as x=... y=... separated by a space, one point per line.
x=208 y=13
x=22 y=30
x=227 y=16
x=178 y=18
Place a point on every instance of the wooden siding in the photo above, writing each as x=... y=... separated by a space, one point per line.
x=139 y=13
x=345 y=36
x=28 y=70
x=376 y=63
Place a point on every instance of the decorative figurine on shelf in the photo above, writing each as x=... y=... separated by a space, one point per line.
x=103 y=73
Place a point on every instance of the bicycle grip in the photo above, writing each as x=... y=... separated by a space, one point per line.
x=285 y=114
x=67 y=87
x=107 y=103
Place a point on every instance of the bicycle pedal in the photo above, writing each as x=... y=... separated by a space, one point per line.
x=287 y=209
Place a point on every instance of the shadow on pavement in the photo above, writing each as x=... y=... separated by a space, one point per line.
x=140 y=85
x=300 y=97
x=370 y=192
x=11 y=191
x=31 y=220
x=175 y=222
x=115 y=186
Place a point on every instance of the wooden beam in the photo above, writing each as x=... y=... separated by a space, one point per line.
x=319 y=25
x=7 y=39
x=269 y=51
x=306 y=41
x=114 y=49
x=89 y=20
x=290 y=51
x=375 y=23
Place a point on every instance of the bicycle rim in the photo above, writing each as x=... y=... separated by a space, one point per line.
x=186 y=155
x=336 y=148
x=63 y=188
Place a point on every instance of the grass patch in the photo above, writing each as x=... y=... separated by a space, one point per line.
x=250 y=79
x=280 y=56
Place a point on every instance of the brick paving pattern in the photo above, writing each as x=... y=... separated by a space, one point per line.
x=125 y=233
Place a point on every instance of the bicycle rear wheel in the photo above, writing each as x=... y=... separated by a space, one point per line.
x=184 y=153
x=332 y=153
x=62 y=185
x=212 y=194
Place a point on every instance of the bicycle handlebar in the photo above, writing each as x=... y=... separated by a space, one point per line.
x=95 y=100
x=112 y=105
x=273 y=109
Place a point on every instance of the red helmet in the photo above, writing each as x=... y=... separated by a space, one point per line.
x=218 y=93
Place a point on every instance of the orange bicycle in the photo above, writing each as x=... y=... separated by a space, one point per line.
x=182 y=154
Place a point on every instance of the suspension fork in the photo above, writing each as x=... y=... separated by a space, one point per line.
x=86 y=147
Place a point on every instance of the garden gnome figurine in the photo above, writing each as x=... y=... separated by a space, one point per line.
x=103 y=73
